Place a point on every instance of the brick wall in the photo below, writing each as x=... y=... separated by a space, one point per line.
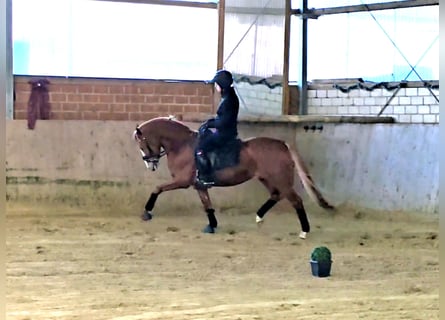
x=140 y=100
x=117 y=99
x=414 y=104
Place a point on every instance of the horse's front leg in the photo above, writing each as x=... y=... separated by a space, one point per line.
x=148 y=214
x=207 y=203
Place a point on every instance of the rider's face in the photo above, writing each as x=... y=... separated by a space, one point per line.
x=217 y=87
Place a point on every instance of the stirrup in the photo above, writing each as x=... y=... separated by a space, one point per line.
x=201 y=184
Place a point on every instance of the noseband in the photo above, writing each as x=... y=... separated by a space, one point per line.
x=152 y=159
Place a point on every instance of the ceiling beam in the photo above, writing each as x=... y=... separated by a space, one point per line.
x=315 y=13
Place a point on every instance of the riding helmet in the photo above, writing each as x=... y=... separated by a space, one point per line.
x=223 y=78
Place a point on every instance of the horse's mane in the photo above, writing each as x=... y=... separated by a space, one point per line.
x=168 y=126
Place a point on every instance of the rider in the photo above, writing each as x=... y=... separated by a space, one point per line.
x=225 y=125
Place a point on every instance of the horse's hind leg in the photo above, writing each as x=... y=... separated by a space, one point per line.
x=205 y=199
x=272 y=201
x=297 y=203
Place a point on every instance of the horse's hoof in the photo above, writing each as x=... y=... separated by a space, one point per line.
x=303 y=235
x=208 y=229
x=259 y=221
x=147 y=215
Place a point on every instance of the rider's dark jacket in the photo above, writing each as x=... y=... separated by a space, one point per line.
x=226 y=120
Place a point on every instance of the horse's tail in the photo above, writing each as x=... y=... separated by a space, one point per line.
x=308 y=183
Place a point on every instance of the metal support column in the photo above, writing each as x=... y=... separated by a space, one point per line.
x=303 y=58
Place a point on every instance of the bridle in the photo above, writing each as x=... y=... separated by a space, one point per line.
x=152 y=159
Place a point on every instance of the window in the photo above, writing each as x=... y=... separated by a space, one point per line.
x=114 y=39
x=355 y=45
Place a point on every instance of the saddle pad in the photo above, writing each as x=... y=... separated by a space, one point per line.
x=225 y=156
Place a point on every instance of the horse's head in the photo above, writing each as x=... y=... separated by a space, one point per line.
x=159 y=136
x=151 y=149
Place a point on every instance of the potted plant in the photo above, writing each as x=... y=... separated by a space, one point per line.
x=321 y=260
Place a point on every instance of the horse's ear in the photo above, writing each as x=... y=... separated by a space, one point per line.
x=137 y=134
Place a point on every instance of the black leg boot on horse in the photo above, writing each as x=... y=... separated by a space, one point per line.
x=204 y=174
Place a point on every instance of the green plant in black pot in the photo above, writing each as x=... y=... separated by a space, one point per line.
x=321 y=260
x=321 y=254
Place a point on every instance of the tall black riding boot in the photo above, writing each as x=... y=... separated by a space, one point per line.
x=204 y=177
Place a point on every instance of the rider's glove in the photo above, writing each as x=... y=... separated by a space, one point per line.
x=210 y=123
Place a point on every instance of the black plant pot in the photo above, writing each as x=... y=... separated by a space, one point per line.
x=321 y=269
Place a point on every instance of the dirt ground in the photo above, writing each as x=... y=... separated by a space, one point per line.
x=68 y=263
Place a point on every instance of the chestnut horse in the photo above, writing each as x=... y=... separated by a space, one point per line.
x=269 y=160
